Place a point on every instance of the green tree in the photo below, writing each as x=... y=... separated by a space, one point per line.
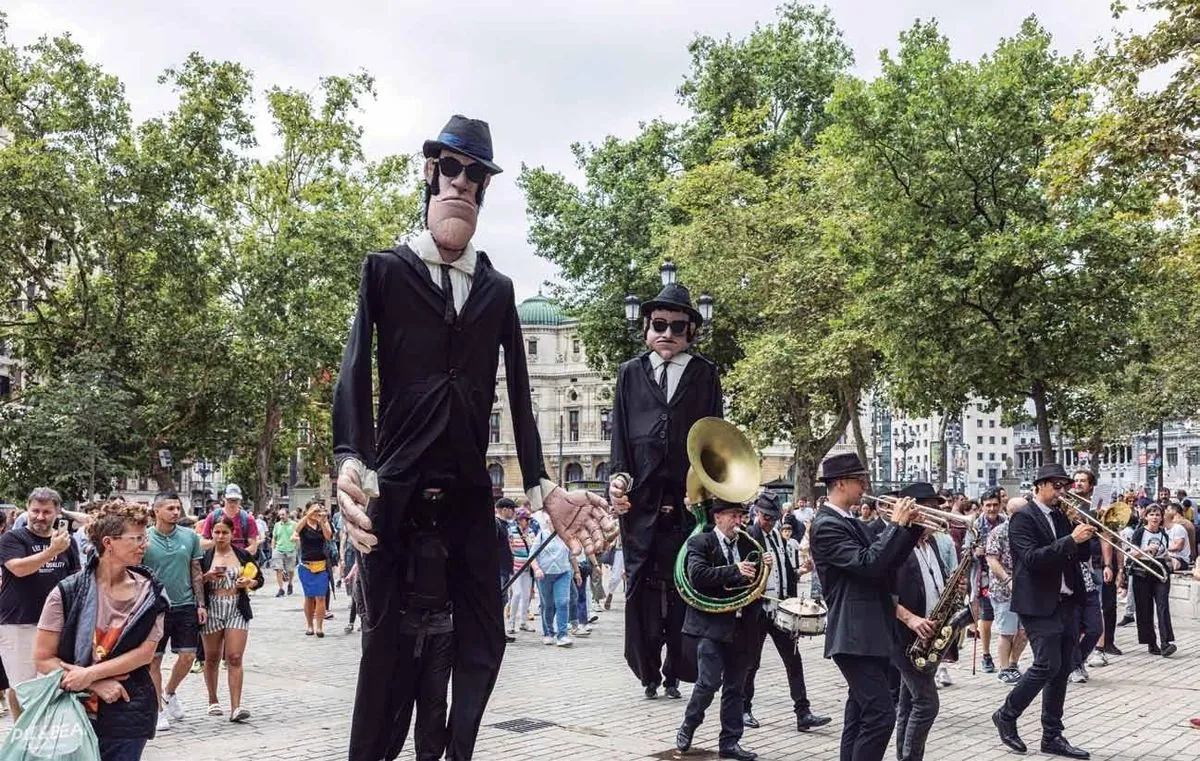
x=979 y=265
x=304 y=220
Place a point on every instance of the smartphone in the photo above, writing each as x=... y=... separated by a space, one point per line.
x=62 y=524
x=218 y=569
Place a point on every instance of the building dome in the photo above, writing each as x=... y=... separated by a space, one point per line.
x=539 y=310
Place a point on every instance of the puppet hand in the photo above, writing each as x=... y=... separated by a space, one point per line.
x=581 y=519
x=355 y=486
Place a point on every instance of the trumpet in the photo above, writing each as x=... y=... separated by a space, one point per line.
x=930 y=518
x=1076 y=507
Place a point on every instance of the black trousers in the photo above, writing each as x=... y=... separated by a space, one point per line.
x=654 y=615
x=1053 y=639
x=786 y=647
x=916 y=710
x=719 y=665
x=389 y=678
x=870 y=713
x=1108 y=610
x=1151 y=598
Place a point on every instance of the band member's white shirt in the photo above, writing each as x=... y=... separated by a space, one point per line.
x=462 y=269
x=1046 y=511
x=931 y=574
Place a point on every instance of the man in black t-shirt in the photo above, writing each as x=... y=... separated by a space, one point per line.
x=34 y=559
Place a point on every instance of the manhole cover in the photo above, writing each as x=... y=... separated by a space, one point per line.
x=521 y=726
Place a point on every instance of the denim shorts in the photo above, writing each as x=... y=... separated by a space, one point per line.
x=1004 y=622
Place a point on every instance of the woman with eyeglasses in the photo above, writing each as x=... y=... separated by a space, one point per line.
x=229 y=573
x=102 y=625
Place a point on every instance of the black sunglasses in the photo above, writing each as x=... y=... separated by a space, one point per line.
x=452 y=167
x=678 y=327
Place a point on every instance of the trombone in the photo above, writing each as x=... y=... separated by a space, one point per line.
x=1076 y=507
x=930 y=518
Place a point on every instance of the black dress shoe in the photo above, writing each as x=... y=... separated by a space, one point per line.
x=1008 y=733
x=651 y=691
x=748 y=720
x=1111 y=650
x=1169 y=649
x=738 y=752
x=1153 y=650
x=806 y=721
x=672 y=692
x=683 y=738
x=1058 y=746
x=1125 y=621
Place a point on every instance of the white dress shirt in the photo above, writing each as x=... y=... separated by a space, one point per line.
x=674 y=370
x=1048 y=512
x=931 y=575
x=462 y=269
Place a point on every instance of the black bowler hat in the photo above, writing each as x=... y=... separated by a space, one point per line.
x=470 y=137
x=1053 y=471
x=919 y=490
x=767 y=504
x=719 y=506
x=842 y=466
x=676 y=298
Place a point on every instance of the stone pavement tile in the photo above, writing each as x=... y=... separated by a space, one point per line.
x=301 y=690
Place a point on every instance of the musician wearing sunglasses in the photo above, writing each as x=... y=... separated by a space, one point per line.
x=433 y=314
x=1048 y=592
x=660 y=394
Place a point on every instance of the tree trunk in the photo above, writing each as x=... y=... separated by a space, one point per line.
x=264 y=451
x=1043 y=421
x=809 y=448
x=856 y=426
x=1095 y=444
x=806 y=477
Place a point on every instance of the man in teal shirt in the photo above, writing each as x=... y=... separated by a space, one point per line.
x=283 y=558
x=173 y=553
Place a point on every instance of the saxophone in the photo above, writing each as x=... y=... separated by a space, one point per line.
x=949 y=616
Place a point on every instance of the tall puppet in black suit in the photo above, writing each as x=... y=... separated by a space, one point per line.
x=413 y=484
x=1047 y=589
x=856 y=572
x=660 y=394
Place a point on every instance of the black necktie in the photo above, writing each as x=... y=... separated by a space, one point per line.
x=729 y=551
x=448 y=292
x=662 y=379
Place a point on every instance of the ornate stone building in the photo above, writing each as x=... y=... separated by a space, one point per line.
x=572 y=404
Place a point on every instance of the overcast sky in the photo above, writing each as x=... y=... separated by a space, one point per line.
x=543 y=73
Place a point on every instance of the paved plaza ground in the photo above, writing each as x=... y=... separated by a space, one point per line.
x=300 y=690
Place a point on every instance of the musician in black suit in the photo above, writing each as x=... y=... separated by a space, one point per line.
x=717 y=560
x=1047 y=590
x=856 y=575
x=781 y=584
x=919 y=585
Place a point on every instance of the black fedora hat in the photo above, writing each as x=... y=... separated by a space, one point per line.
x=719 y=505
x=920 y=490
x=845 y=465
x=676 y=298
x=767 y=503
x=470 y=137
x=1052 y=471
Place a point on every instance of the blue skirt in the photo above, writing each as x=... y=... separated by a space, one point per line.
x=314 y=584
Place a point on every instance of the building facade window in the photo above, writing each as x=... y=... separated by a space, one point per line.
x=574 y=472
x=531 y=348
x=978 y=439
x=606 y=425
x=494 y=428
x=496 y=473
x=573 y=425
x=602 y=472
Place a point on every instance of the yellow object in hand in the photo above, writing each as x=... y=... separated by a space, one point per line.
x=249 y=571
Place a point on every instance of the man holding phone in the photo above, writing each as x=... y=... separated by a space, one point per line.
x=34 y=559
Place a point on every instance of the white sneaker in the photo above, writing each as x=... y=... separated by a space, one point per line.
x=942 y=678
x=174 y=707
x=164 y=722
x=1097 y=659
x=581 y=631
x=1078 y=676
x=547 y=640
x=564 y=642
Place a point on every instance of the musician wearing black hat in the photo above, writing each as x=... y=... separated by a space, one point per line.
x=660 y=394
x=1047 y=590
x=781 y=584
x=413 y=485
x=856 y=573
x=717 y=560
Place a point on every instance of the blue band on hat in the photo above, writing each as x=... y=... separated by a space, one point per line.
x=454 y=141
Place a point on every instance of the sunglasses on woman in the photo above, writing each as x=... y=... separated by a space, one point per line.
x=451 y=167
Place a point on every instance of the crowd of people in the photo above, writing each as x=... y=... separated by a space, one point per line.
x=101 y=593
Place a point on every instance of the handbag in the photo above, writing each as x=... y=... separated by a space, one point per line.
x=53 y=727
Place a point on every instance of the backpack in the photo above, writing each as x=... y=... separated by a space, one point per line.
x=243 y=520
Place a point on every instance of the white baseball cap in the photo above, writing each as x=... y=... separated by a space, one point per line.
x=233 y=491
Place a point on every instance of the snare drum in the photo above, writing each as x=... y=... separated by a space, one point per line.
x=800 y=617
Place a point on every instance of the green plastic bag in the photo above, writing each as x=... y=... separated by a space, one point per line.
x=53 y=726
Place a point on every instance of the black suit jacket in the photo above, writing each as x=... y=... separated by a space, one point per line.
x=1041 y=562
x=910 y=592
x=710 y=573
x=856 y=581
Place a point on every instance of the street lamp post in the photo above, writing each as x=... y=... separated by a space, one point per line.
x=667 y=273
x=904 y=445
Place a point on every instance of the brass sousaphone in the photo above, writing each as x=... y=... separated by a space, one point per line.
x=723 y=464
